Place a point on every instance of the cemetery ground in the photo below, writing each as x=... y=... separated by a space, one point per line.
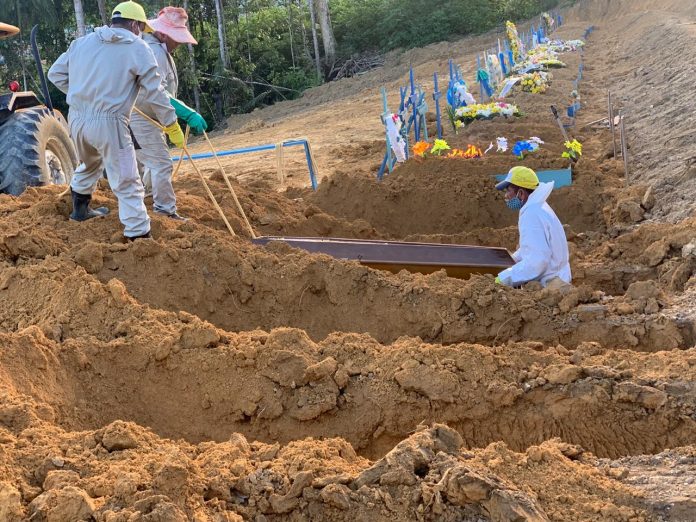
x=199 y=377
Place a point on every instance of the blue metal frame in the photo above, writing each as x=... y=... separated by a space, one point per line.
x=260 y=148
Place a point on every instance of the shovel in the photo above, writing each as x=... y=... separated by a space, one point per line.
x=560 y=124
x=573 y=157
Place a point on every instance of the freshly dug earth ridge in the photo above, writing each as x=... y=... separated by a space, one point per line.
x=198 y=377
x=240 y=287
x=281 y=386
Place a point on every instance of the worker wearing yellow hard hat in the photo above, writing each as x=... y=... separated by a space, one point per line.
x=102 y=74
x=133 y=12
x=543 y=252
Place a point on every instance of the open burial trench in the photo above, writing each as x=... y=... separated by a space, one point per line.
x=450 y=196
x=237 y=287
x=89 y=354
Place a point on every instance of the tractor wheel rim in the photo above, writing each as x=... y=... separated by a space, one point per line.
x=56 y=175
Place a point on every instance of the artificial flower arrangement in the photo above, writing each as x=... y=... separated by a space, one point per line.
x=546 y=58
x=472 y=151
x=573 y=150
x=551 y=63
x=423 y=149
x=538 y=62
x=565 y=46
x=541 y=49
x=514 y=40
x=524 y=146
x=439 y=146
x=535 y=82
x=420 y=148
x=542 y=55
x=548 y=22
x=483 y=111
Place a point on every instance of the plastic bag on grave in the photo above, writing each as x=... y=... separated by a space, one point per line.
x=396 y=140
x=496 y=71
x=459 y=95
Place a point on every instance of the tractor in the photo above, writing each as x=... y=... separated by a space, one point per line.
x=35 y=144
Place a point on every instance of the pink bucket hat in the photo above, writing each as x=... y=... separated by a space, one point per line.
x=172 y=22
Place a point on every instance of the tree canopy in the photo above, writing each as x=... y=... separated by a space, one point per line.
x=268 y=45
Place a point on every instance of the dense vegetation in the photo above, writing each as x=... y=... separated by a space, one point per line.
x=268 y=52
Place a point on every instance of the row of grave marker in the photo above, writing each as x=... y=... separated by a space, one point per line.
x=413 y=106
x=530 y=39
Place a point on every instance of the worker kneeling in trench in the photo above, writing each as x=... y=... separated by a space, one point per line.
x=543 y=252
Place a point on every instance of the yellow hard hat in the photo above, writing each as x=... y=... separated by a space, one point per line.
x=132 y=11
x=520 y=177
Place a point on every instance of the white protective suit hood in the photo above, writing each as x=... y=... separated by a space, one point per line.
x=103 y=72
x=115 y=35
x=543 y=252
x=539 y=196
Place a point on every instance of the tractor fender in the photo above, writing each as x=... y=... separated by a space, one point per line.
x=15 y=101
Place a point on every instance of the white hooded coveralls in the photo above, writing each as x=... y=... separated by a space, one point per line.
x=153 y=154
x=102 y=74
x=543 y=252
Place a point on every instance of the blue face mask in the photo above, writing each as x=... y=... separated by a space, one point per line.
x=514 y=203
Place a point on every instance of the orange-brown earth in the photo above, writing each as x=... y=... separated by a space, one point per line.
x=199 y=377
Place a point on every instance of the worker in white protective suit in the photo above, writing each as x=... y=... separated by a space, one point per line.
x=102 y=74
x=170 y=32
x=543 y=252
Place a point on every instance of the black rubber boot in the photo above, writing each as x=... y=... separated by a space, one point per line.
x=146 y=235
x=81 y=210
x=173 y=215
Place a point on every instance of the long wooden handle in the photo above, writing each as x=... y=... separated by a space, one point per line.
x=210 y=193
x=229 y=186
x=195 y=167
x=559 y=122
x=181 y=156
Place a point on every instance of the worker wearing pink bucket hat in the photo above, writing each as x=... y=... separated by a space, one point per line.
x=171 y=22
x=170 y=32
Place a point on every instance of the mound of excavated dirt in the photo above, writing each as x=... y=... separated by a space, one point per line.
x=280 y=387
x=452 y=196
x=134 y=475
x=238 y=286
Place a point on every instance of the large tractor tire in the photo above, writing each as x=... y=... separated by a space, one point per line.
x=35 y=150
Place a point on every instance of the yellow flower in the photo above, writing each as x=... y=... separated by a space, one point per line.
x=439 y=146
x=575 y=146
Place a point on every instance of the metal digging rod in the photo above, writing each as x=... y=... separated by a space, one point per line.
x=39 y=67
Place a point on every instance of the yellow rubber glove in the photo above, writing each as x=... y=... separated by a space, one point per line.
x=498 y=281
x=176 y=135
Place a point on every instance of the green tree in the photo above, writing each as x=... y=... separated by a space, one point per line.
x=256 y=52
